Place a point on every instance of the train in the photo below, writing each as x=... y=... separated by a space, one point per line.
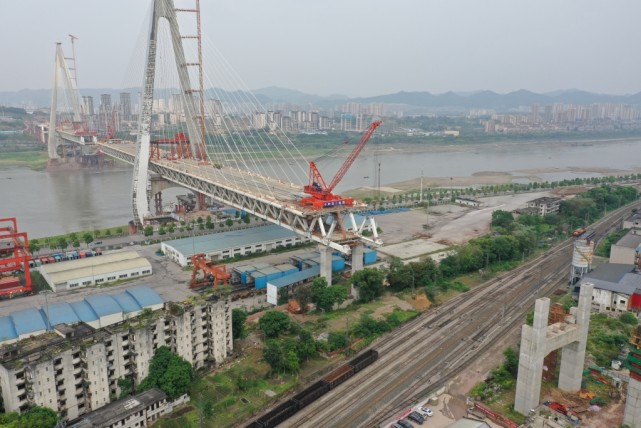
x=315 y=391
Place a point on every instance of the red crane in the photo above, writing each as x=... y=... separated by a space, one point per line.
x=321 y=195
x=14 y=257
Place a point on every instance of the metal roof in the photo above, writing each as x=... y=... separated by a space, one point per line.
x=285 y=267
x=145 y=296
x=28 y=321
x=629 y=241
x=94 y=261
x=229 y=240
x=88 y=271
x=90 y=309
x=303 y=275
x=626 y=285
x=611 y=272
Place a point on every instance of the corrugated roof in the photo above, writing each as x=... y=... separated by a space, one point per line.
x=293 y=278
x=145 y=296
x=103 y=304
x=89 y=271
x=627 y=285
x=60 y=313
x=612 y=272
x=629 y=241
x=90 y=309
x=228 y=240
x=84 y=311
x=28 y=321
x=285 y=267
x=95 y=261
x=7 y=329
x=127 y=302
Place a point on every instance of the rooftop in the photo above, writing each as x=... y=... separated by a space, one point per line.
x=293 y=278
x=231 y=239
x=92 y=308
x=60 y=273
x=626 y=285
x=119 y=410
x=611 y=272
x=629 y=241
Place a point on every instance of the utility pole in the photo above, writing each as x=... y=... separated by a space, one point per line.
x=421 y=195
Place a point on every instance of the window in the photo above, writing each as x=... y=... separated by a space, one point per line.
x=99 y=280
x=86 y=282
x=124 y=275
x=134 y=274
x=111 y=278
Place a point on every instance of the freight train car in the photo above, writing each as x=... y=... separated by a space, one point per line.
x=315 y=391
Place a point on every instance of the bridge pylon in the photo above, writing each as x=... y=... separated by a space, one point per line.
x=141 y=192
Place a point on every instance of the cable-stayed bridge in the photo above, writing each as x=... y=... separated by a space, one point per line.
x=231 y=157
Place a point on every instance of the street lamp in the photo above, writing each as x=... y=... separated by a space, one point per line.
x=46 y=292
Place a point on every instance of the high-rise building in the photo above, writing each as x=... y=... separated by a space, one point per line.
x=74 y=369
x=87 y=105
x=125 y=106
x=105 y=103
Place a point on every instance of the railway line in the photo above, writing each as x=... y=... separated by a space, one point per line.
x=431 y=349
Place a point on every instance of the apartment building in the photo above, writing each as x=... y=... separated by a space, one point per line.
x=74 y=369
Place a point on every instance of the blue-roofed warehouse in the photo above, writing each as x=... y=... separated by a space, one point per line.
x=97 y=310
x=300 y=277
x=224 y=245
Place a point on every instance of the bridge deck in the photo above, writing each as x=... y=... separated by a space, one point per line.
x=270 y=189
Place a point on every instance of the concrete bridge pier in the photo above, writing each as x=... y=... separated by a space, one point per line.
x=325 y=262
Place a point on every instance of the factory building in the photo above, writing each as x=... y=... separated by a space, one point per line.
x=74 y=368
x=224 y=245
x=90 y=271
x=617 y=288
x=626 y=250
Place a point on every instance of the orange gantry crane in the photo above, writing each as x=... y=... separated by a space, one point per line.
x=14 y=258
x=320 y=194
x=213 y=275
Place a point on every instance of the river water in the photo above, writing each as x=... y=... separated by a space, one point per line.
x=50 y=203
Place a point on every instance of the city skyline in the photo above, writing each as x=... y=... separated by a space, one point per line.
x=355 y=49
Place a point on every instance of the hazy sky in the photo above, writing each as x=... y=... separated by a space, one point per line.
x=351 y=47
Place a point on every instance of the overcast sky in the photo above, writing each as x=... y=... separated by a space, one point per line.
x=351 y=47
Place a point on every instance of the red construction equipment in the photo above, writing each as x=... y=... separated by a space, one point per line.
x=213 y=275
x=182 y=150
x=14 y=258
x=321 y=195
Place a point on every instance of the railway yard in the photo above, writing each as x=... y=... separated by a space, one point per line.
x=432 y=349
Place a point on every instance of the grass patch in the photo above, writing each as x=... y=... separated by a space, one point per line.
x=34 y=160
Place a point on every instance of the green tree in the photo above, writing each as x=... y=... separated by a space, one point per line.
x=35 y=417
x=61 y=243
x=148 y=231
x=246 y=219
x=126 y=386
x=75 y=244
x=229 y=222
x=337 y=340
x=108 y=232
x=502 y=219
x=170 y=228
x=169 y=372
x=306 y=346
x=369 y=283
x=238 y=317
x=303 y=295
x=511 y=363
x=161 y=230
x=273 y=323
x=73 y=236
x=34 y=246
x=119 y=230
x=628 y=318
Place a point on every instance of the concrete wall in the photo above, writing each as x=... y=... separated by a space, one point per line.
x=609 y=301
x=619 y=254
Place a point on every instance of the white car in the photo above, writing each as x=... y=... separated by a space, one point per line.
x=425 y=411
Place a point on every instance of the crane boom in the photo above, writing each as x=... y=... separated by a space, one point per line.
x=321 y=195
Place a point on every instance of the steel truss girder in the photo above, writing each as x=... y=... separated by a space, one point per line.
x=311 y=224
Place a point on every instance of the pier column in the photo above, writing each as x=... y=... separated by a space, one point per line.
x=532 y=353
x=573 y=355
x=325 y=263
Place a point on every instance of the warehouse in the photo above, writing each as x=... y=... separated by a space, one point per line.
x=101 y=270
x=224 y=245
x=99 y=310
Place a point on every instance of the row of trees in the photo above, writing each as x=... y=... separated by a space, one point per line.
x=35 y=417
x=199 y=223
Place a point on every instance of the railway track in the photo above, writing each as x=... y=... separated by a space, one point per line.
x=431 y=349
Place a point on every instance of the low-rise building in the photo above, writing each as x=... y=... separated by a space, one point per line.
x=141 y=410
x=72 y=274
x=633 y=223
x=545 y=205
x=468 y=202
x=224 y=245
x=617 y=288
x=74 y=368
x=626 y=250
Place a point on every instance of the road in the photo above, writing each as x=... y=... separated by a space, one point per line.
x=430 y=350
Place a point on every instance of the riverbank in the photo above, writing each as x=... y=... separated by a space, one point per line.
x=37 y=161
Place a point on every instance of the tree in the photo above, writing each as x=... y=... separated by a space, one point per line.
x=34 y=246
x=161 y=230
x=108 y=232
x=369 y=282
x=61 y=243
x=628 y=318
x=303 y=295
x=76 y=244
x=229 y=222
x=169 y=372
x=282 y=356
x=502 y=218
x=246 y=219
x=119 y=230
x=238 y=317
x=325 y=297
x=35 y=417
x=87 y=238
x=337 y=340
x=306 y=346
x=170 y=228
x=511 y=363
x=273 y=323
x=148 y=231
x=126 y=386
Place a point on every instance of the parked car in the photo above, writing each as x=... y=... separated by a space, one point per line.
x=404 y=423
x=416 y=417
x=425 y=411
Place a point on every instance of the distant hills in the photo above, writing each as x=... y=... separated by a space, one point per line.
x=417 y=100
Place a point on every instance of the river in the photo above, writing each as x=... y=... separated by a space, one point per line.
x=50 y=203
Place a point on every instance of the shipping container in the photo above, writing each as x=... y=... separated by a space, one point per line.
x=364 y=360
x=369 y=256
x=279 y=414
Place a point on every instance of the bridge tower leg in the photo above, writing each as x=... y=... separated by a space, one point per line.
x=357 y=264
x=573 y=354
x=141 y=193
x=158 y=203
x=325 y=262
x=52 y=137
